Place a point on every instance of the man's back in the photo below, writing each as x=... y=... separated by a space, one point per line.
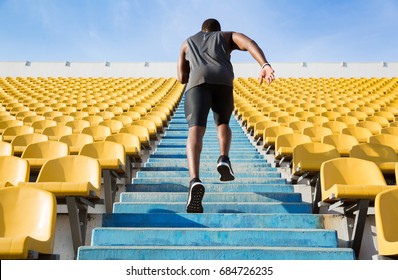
x=209 y=59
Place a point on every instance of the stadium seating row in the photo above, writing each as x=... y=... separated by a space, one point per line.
x=73 y=138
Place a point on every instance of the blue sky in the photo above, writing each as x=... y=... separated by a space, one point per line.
x=153 y=30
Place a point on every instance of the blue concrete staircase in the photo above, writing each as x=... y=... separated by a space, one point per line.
x=257 y=216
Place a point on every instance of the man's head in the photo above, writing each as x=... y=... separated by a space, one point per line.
x=211 y=25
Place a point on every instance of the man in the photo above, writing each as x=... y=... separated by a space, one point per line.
x=204 y=65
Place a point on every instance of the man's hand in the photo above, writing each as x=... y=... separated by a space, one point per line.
x=266 y=73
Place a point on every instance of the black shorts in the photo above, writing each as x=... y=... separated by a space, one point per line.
x=200 y=99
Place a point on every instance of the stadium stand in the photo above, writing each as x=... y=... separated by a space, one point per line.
x=331 y=103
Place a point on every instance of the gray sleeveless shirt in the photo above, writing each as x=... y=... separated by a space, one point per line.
x=209 y=60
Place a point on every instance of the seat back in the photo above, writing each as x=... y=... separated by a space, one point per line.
x=129 y=141
x=99 y=132
x=350 y=171
x=314 y=151
x=335 y=126
x=361 y=133
x=374 y=152
x=46 y=149
x=317 y=132
x=55 y=132
x=291 y=140
x=76 y=140
x=104 y=150
x=10 y=132
x=78 y=125
x=385 y=139
x=6 y=149
x=13 y=170
x=386 y=216
x=27 y=212
x=75 y=168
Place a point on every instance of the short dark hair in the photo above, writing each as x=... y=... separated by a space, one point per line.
x=211 y=25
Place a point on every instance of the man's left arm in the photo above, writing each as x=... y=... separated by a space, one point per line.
x=183 y=65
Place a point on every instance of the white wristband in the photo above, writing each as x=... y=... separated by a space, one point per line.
x=265 y=64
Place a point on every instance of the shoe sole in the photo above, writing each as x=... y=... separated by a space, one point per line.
x=225 y=172
x=195 y=198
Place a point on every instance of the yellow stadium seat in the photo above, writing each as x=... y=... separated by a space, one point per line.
x=335 y=126
x=7 y=117
x=10 y=132
x=63 y=119
x=384 y=156
x=360 y=116
x=20 y=142
x=106 y=115
x=112 y=158
x=352 y=183
x=285 y=144
x=55 y=132
x=13 y=170
x=298 y=126
x=132 y=146
x=385 y=139
x=40 y=125
x=316 y=133
x=350 y=121
x=317 y=120
x=76 y=141
x=38 y=153
x=390 y=130
x=114 y=125
x=156 y=119
x=361 y=133
x=373 y=126
x=78 y=125
x=126 y=120
x=331 y=115
x=260 y=126
x=99 y=132
x=71 y=178
x=270 y=134
x=150 y=125
x=141 y=132
x=6 y=149
x=28 y=222
x=342 y=142
x=79 y=115
x=9 y=123
x=386 y=216
x=93 y=120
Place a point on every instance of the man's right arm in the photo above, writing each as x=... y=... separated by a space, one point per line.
x=183 y=65
x=244 y=43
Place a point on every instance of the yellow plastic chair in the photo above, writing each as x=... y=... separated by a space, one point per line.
x=360 y=116
x=342 y=142
x=361 y=133
x=126 y=120
x=390 y=130
x=316 y=133
x=114 y=125
x=31 y=119
x=384 y=156
x=94 y=120
x=71 y=178
x=285 y=144
x=150 y=125
x=350 y=121
x=335 y=126
x=76 y=141
x=38 y=153
x=270 y=134
x=40 y=125
x=6 y=149
x=331 y=115
x=259 y=128
x=9 y=123
x=386 y=215
x=352 y=183
x=62 y=120
x=374 y=127
x=156 y=119
x=99 y=132
x=112 y=158
x=380 y=119
x=298 y=126
x=13 y=170
x=78 y=125
x=141 y=132
x=20 y=142
x=132 y=146
x=11 y=132
x=55 y=132
x=385 y=139
x=28 y=222
x=317 y=120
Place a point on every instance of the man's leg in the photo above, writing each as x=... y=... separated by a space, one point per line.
x=194 y=149
x=224 y=138
x=196 y=188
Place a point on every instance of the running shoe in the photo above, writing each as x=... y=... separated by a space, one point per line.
x=195 y=196
x=225 y=169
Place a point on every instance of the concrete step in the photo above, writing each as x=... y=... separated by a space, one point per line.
x=214 y=237
x=182 y=165
x=270 y=180
x=206 y=168
x=215 y=220
x=213 y=207
x=243 y=174
x=210 y=197
x=211 y=253
x=210 y=187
